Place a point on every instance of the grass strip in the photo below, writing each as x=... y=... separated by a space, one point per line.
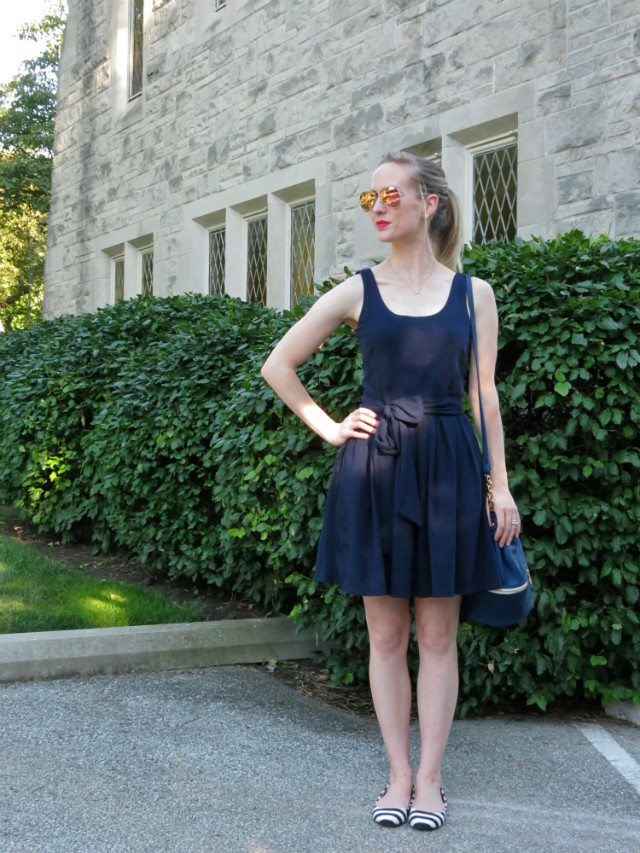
x=41 y=594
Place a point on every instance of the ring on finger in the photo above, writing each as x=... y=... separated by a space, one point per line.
x=515 y=521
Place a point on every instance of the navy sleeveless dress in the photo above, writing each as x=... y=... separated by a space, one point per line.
x=405 y=513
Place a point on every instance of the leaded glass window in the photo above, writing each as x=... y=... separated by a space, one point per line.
x=257 y=260
x=118 y=278
x=495 y=194
x=147 y=272
x=135 y=47
x=303 y=227
x=216 y=261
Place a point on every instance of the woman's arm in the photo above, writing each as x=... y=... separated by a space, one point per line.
x=339 y=305
x=487 y=330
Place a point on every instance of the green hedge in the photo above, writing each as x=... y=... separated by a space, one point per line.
x=106 y=421
x=148 y=429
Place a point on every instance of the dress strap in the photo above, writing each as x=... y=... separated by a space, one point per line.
x=459 y=288
x=367 y=278
x=370 y=291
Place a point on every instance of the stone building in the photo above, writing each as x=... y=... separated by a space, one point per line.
x=204 y=145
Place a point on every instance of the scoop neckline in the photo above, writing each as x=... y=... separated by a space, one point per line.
x=413 y=316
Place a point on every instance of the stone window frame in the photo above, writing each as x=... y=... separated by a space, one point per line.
x=201 y=229
x=234 y=217
x=145 y=252
x=280 y=204
x=219 y=227
x=491 y=143
x=133 y=50
x=134 y=254
x=258 y=216
x=131 y=253
x=237 y=218
x=291 y=206
x=127 y=108
x=115 y=255
x=117 y=264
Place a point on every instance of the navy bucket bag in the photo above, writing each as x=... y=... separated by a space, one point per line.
x=512 y=601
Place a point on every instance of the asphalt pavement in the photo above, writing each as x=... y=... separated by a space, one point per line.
x=229 y=759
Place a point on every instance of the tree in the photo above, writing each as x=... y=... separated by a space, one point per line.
x=23 y=237
x=27 y=116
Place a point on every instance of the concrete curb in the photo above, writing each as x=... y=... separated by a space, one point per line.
x=626 y=711
x=58 y=654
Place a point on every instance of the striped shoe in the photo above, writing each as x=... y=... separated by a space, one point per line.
x=426 y=821
x=391 y=817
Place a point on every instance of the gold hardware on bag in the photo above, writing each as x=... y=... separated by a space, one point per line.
x=489 y=491
x=511 y=590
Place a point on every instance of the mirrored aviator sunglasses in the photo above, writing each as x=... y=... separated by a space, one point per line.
x=389 y=196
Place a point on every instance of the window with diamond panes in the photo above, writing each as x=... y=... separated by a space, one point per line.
x=135 y=47
x=495 y=194
x=216 y=262
x=257 y=260
x=147 y=272
x=118 y=279
x=303 y=227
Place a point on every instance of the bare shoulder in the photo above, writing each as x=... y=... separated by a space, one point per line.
x=481 y=288
x=483 y=295
x=343 y=301
x=348 y=289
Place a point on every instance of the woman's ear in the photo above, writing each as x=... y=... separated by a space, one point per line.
x=431 y=203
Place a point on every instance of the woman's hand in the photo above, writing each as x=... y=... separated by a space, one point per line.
x=360 y=423
x=506 y=513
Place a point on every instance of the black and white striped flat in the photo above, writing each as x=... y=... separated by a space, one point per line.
x=426 y=821
x=390 y=817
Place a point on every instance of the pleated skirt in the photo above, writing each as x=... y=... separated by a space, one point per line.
x=411 y=522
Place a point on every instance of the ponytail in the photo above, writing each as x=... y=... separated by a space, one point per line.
x=445 y=231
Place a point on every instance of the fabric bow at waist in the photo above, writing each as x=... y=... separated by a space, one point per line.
x=396 y=421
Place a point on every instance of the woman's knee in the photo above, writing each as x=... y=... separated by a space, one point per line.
x=389 y=640
x=437 y=628
x=436 y=643
x=389 y=629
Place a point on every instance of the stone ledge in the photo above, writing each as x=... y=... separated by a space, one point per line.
x=626 y=711
x=59 y=654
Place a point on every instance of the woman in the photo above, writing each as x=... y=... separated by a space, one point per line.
x=406 y=517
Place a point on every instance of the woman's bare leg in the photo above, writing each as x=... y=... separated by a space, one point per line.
x=437 y=630
x=389 y=621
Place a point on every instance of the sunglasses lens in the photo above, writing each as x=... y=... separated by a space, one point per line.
x=390 y=196
x=367 y=200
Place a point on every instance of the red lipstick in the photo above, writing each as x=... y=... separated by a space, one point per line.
x=381 y=223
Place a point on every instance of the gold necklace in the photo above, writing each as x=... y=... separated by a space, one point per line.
x=402 y=279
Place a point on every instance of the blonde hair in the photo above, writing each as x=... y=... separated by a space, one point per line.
x=445 y=225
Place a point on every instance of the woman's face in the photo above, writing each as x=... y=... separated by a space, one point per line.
x=406 y=221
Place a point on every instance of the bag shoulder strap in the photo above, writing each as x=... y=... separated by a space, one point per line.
x=474 y=340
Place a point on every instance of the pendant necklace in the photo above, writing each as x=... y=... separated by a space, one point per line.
x=402 y=279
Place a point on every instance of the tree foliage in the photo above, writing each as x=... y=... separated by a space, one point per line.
x=22 y=251
x=27 y=117
x=147 y=429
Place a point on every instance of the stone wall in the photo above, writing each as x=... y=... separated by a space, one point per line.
x=266 y=96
